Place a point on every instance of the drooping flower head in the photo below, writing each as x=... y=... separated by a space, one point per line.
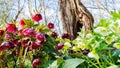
x=50 y=25
x=66 y=36
x=85 y=52
x=40 y=37
x=35 y=45
x=11 y=28
x=20 y=32
x=25 y=41
x=101 y=30
x=36 y=62
x=28 y=31
x=14 y=41
x=37 y=17
x=22 y=23
x=59 y=46
x=7 y=36
x=4 y=46
x=54 y=34
x=1 y=32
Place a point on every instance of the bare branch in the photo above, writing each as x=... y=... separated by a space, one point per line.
x=99 y=2
x=19 y=10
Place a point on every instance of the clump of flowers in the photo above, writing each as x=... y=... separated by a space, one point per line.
x=29 y=42
x=66 y=36
x=101 y=48
x=40 y=46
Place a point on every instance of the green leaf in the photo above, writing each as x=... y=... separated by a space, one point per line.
x=116 y=15
x=116 y=53
x=39 y=27
x=60 y=60
x=71 y=63
x=10 y=61
x=51 y=64
x=51 y=40
x=10 y=64
x=114 y=66
x=28 y=64
x=36 y=25
x=29 y=23
x=44 y=30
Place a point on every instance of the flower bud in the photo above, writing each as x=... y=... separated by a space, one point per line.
x=50 y=25
x=36 y=62
x=59 y=46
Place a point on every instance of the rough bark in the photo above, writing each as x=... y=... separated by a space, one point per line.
x=74 y=16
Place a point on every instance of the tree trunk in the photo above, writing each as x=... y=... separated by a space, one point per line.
x=74 y=16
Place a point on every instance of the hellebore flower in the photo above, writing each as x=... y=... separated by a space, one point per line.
x=66 y=36
x=22 y=23
x=59 y=46
x=35 y=45
x=37 y=17
x=25 y=41
x=7 y=36
x=14 y=41
x=54 y=34
x=50 y=25
x=1 y=32
x=5 y=46
x=11 y=28
x=40 y=37
x=85 y=52
x=36 y=62
x=28 y=31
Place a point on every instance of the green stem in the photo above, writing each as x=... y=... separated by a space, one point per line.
x=0 y=63
x=20 y=57
x=25 y=53
x=111 y=60
x=88 y=59
x=99 y=63
x=106 y=60
x=92 y=62
x=1 y=66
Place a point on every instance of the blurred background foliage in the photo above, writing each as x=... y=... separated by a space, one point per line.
x=16 y=9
